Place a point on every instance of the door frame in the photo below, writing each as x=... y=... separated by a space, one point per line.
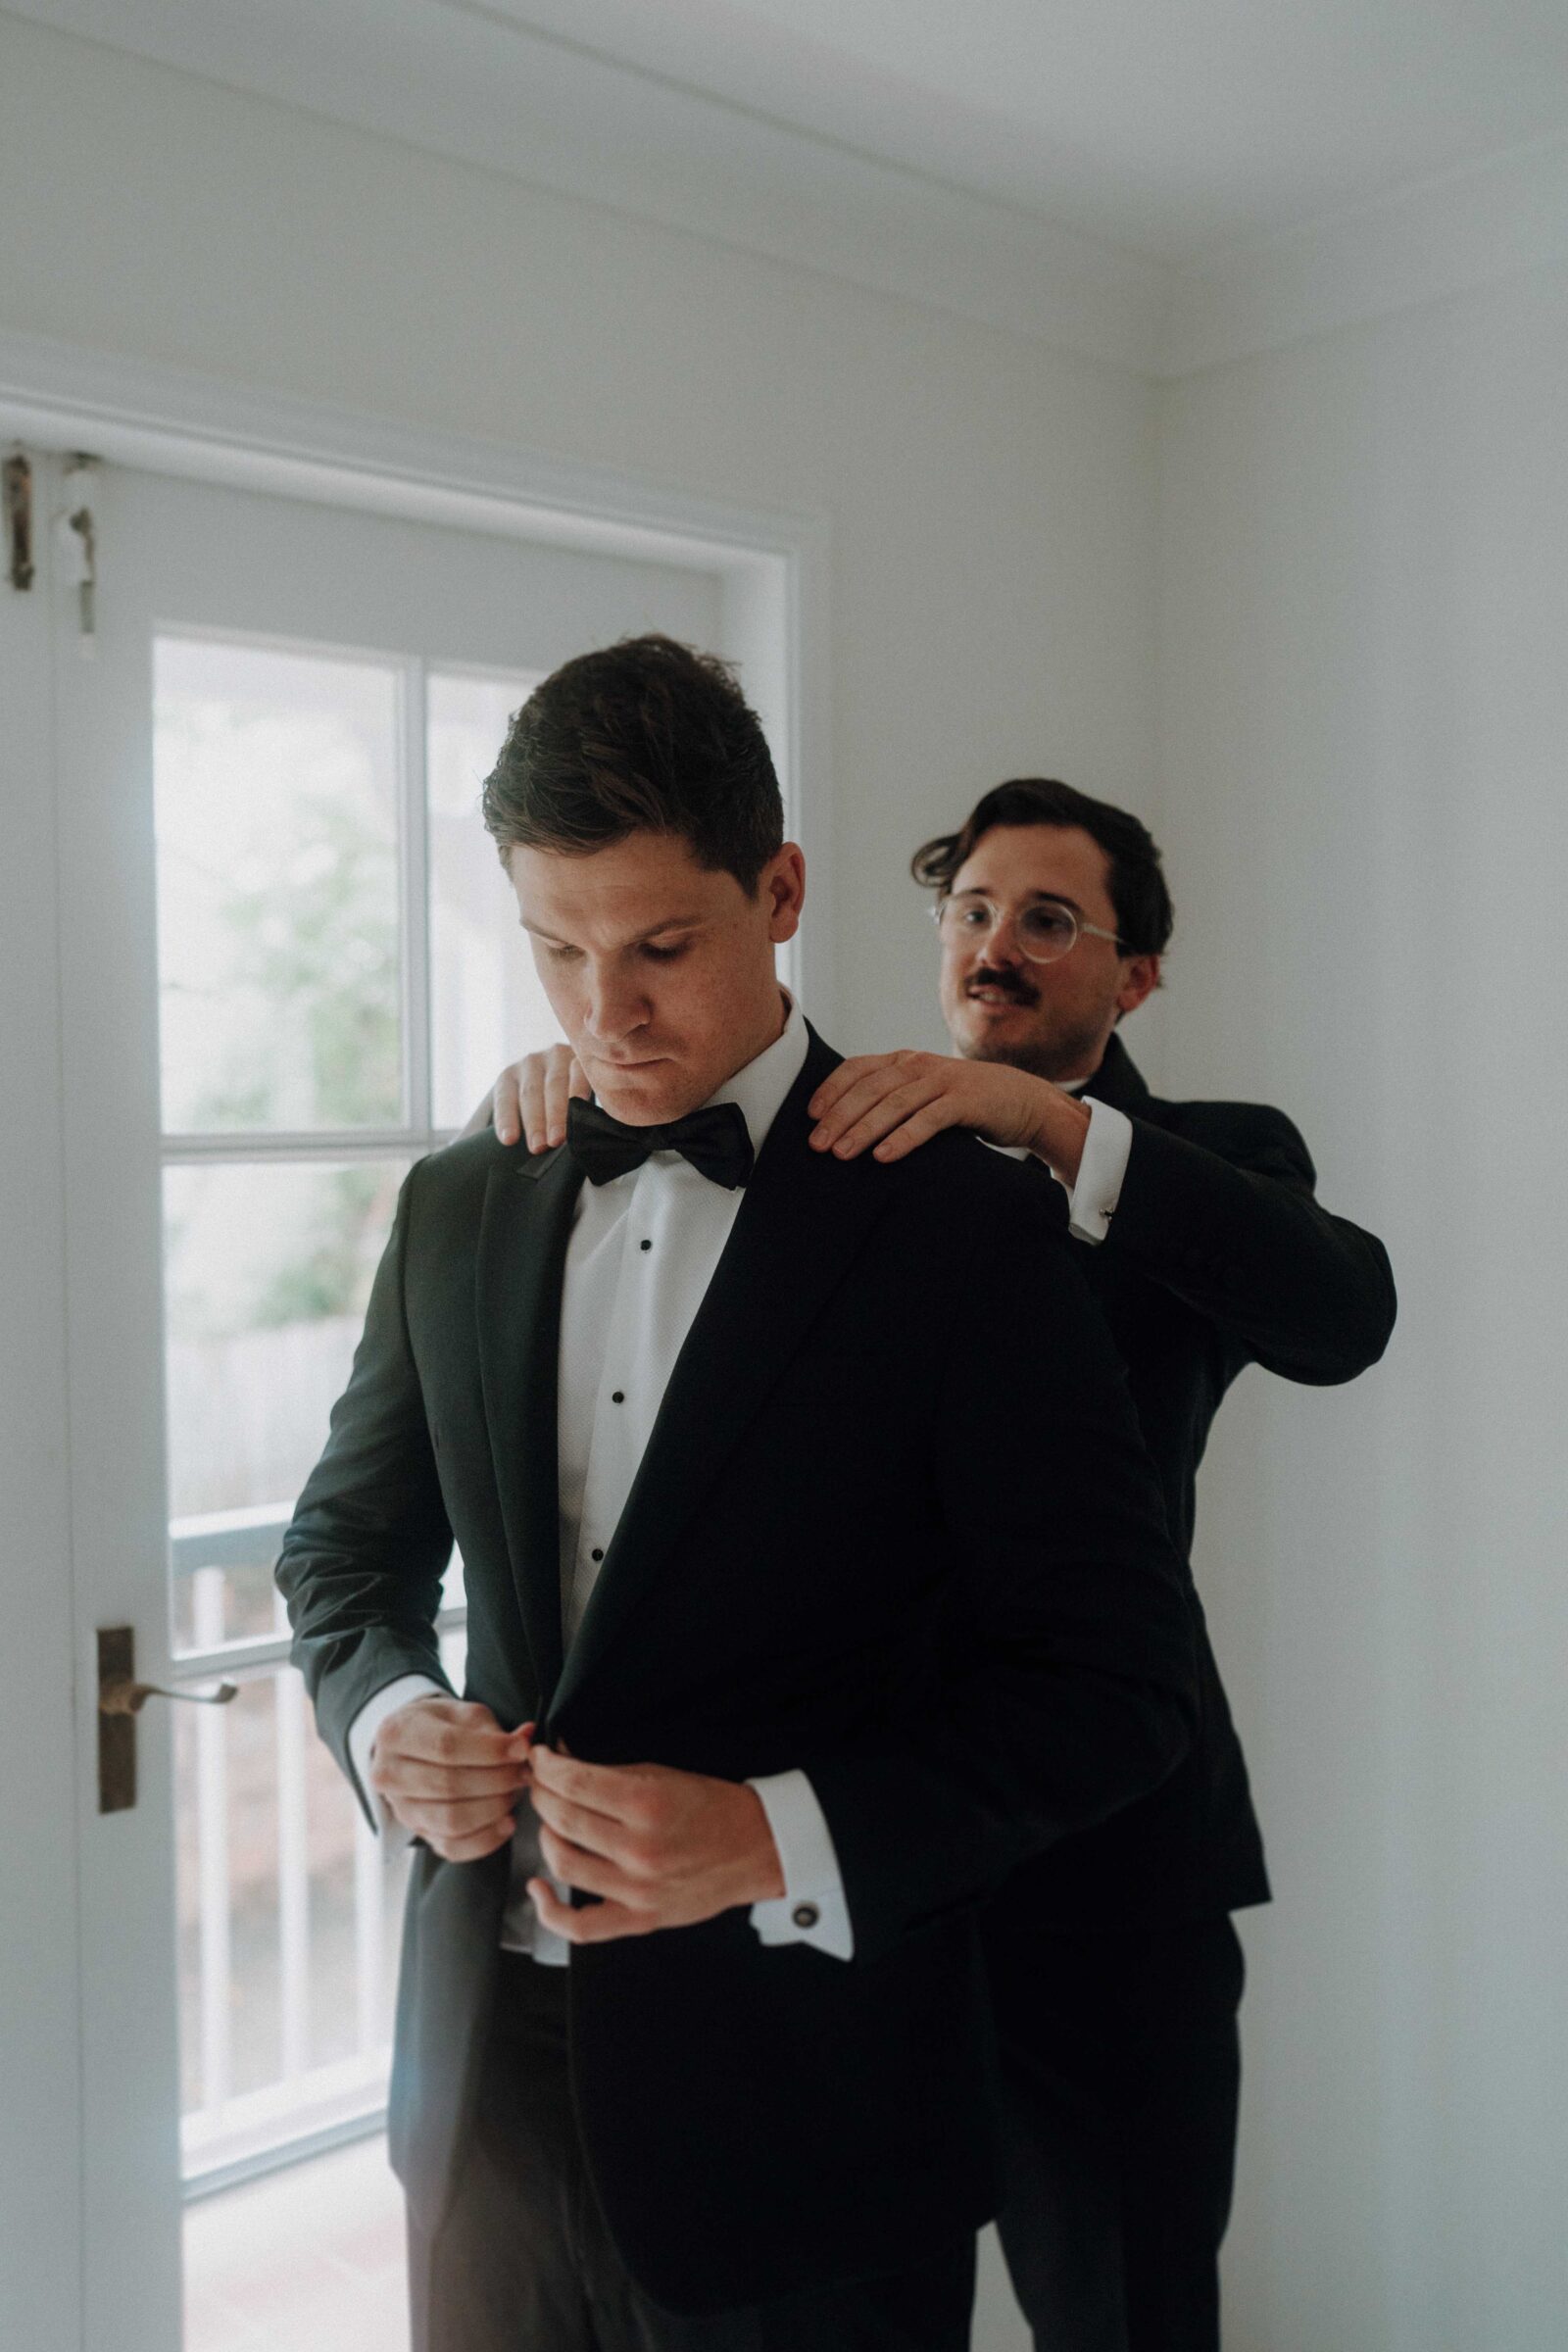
x=773 y=569
x=41 y=2169
x=774 y=564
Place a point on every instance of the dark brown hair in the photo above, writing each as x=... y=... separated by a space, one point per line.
x=1136 y=880
x=644 y=736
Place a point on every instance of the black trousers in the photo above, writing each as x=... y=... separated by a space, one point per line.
x=523 y=2261
x=1122 y=2066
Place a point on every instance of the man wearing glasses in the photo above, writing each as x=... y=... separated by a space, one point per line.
x=1115 y=1969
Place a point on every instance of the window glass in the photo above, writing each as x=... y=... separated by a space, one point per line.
x=276 y=779
x=266 y=1273
x=487 y=1007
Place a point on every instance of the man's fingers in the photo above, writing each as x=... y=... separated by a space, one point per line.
x=474 y=1846
x=466 y=1842
x=557 y=1094
x=564 y=1078
x=595 y=1923
x=903 y=1074
x=449 y=1817
x=597 y=1833
x=861 y=1069
x=619 y=1789
x=444 y=1731
x=531 y=1102
x=895 y=1117
x=916 y=1131
x=504 y=1101
x=590 y=1874
x=861 y=1122
x=412 y=1777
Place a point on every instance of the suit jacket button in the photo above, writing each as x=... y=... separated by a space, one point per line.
x=806 y=1914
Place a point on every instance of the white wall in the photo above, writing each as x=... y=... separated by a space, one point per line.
x=990 y=505
x=1363 y=593
x=1363 y=638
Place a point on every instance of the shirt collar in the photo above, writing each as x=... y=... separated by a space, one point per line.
x=762 y=1084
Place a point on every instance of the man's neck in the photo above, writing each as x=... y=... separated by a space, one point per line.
x=768 y=1033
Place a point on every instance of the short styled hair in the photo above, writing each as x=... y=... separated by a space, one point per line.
x=1135 y=879
x=644 y=736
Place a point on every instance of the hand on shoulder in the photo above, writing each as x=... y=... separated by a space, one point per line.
x=891 y=1103
x=529 y=1098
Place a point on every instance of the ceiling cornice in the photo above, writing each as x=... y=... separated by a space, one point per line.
x=480 y=88
x=485 y=90
x=1422 y=244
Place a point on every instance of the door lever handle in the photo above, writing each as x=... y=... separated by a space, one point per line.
x=124 y=1697
x=121 y=1699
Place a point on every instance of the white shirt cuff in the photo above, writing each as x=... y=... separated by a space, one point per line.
x=361 y=1741
x=1091 y=1200
x=813 y=1909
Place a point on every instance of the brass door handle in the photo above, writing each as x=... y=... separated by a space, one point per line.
x=124 y=1698
x=121 y=1699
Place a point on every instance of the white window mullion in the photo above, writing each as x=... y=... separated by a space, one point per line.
x=293 y=1876
x=416 y=874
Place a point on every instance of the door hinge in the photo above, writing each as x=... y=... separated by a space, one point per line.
x=77 y=548
x=18 y=478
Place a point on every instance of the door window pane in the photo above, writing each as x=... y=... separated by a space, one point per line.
x=287 y=1929
x=275 y=780
x=266 y=1273
x=486 y=1004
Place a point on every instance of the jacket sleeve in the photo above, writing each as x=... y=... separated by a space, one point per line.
x=1238 y=1236
x=1063 y=1676
x=365 y=1552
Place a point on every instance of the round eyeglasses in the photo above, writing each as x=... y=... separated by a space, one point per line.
x=1046 y=929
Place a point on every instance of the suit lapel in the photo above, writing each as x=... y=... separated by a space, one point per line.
x=523 y=1248
x=801 y=1223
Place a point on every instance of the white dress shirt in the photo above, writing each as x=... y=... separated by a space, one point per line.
x=642 y=1252
x=1092 y=1200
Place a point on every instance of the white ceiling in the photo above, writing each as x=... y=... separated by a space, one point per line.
x=1170 y=128
x=1161 y=183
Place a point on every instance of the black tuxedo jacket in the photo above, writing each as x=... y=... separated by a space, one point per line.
x=1217 y=1256
x=895 y=1526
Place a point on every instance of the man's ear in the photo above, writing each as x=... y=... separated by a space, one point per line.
x=1140 y=979
x=783 y=884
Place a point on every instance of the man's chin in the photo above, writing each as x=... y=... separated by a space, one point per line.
x=993 y=1032
x=645 y=1094
x=1020 y=1048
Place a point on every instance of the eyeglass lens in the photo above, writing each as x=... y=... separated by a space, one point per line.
x=1044 y=930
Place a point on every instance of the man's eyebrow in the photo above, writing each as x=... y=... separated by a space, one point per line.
x=983 y=890
x=671 y=922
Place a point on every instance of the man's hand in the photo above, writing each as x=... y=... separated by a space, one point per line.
x=529 y=1098
x=896 y=1101
x=450 y=1774
x=660 y=1848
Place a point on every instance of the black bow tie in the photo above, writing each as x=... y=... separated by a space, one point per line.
x=714 y=1141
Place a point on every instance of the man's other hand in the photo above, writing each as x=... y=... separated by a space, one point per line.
x=660 y=1848
x=897 y=1102
x=450 y=1774
x=529 y=1098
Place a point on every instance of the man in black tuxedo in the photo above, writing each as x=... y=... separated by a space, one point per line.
x=1115 y=1971
x=776 y=1663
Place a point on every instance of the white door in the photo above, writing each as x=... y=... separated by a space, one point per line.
x=287 y=967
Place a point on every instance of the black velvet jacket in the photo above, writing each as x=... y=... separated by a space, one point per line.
x=834 y=1557
x=1217 y=1256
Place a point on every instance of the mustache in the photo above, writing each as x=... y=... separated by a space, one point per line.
x=1006 y=983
